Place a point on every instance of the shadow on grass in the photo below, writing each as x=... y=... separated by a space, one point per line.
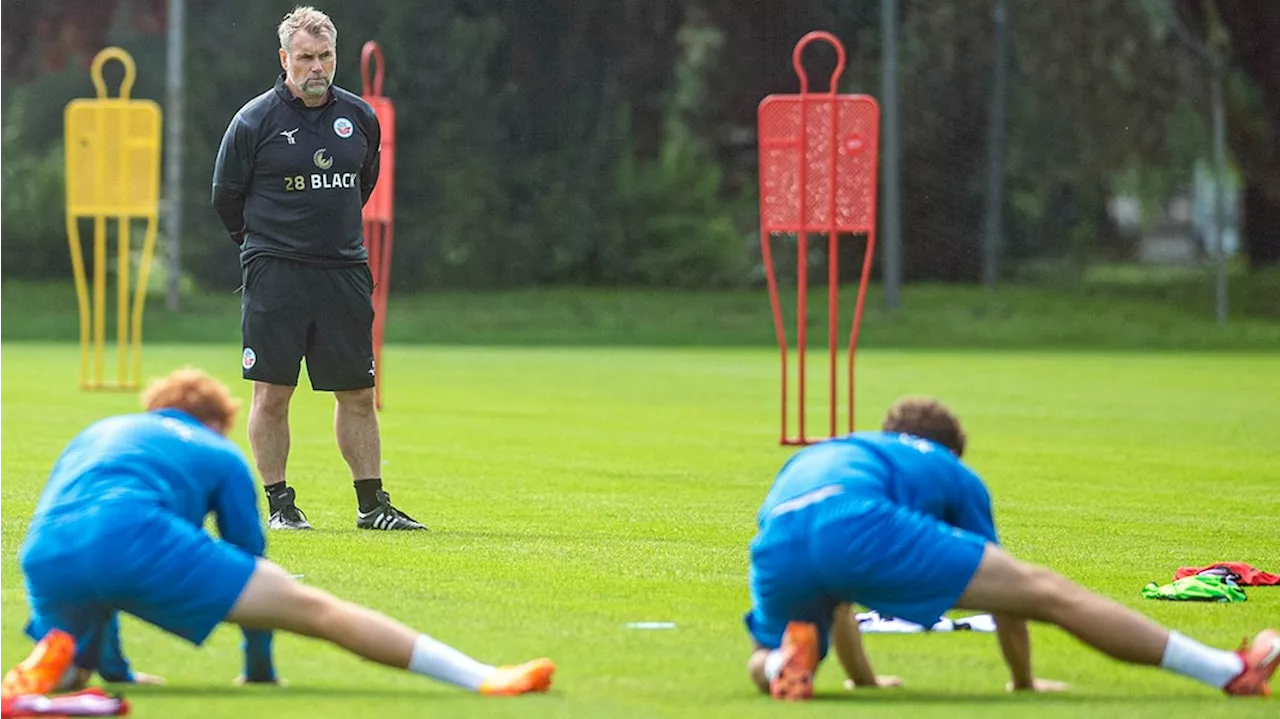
x=430 y=691
x=289 y=693
x=1060 y=699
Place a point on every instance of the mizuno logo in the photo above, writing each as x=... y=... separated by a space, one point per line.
x=288 y=135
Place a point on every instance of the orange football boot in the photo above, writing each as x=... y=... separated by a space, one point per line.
x=42 y=671
x=1260 y=662
x=534 y=676
x=799 y=649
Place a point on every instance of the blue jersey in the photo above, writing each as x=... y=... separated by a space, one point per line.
x=889 y=521
x=901 y=469
x=165 y=459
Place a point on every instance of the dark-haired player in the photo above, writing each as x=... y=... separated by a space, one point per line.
x=894 y=521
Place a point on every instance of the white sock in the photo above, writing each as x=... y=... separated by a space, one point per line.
x=441 y=661
x=1190 y=658
x=772 y=664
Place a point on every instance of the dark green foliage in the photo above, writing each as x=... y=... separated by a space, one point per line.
x=611 y=142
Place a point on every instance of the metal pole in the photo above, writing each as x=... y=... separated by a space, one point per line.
x=892 y=210
x=1219 y=194
x=991 y=235
x=173 y=152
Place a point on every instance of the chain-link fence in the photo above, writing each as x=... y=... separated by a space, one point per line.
x=612 y=143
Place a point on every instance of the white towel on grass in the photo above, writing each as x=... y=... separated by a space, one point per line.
x=873 y=623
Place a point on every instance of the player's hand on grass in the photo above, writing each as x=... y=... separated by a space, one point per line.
x=882 y=682
x=134 y=678
x=1039 y=686
x=152 y=679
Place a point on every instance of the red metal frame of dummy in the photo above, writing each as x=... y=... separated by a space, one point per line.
x=379 y=211
x=818 y=174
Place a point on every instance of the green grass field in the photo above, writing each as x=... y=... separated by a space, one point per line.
x=574 y=490
x=1141 y=310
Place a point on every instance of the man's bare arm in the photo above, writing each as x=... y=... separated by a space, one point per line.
x=847 y=641
x=1015 y=644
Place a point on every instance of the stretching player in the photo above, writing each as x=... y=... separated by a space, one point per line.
x=118 y=528
x=894 y=521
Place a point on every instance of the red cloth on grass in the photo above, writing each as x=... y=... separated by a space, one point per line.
x=1248 y=575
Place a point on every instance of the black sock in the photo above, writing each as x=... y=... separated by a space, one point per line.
x=276 y=493
x=367 y=492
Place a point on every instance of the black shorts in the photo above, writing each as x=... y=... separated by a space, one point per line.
x=290 y=310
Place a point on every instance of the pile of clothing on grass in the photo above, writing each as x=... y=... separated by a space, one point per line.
x=1219 y=582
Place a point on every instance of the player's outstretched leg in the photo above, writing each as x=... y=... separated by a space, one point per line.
x=1005 y=585
x=274 y=600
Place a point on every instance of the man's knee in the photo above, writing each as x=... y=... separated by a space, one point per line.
x=362 y=401
x=315 y=612
x=1006 y=585
x=272 y=599
x=1046 y=592
x=271 y=399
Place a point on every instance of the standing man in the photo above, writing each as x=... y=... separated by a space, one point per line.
x=295 y=168
x=894 y=521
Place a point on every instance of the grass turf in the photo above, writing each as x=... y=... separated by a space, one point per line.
x=1113 y=316
x=572 y=491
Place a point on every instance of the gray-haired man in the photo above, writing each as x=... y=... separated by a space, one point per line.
x=296 y=166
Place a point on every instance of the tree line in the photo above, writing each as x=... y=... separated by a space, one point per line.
x=611 y=142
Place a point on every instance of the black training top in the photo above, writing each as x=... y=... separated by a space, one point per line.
x=291 y=181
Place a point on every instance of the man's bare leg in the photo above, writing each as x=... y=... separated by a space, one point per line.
x=355 y=423
x=1006 y=586
x=269 y=438
x=274 y=600
x=269 y=430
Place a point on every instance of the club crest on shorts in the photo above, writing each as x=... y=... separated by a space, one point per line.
x=343 y=128
x=249 y=358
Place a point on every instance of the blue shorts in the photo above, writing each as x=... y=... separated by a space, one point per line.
x=124 y=556
x=848 y=548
